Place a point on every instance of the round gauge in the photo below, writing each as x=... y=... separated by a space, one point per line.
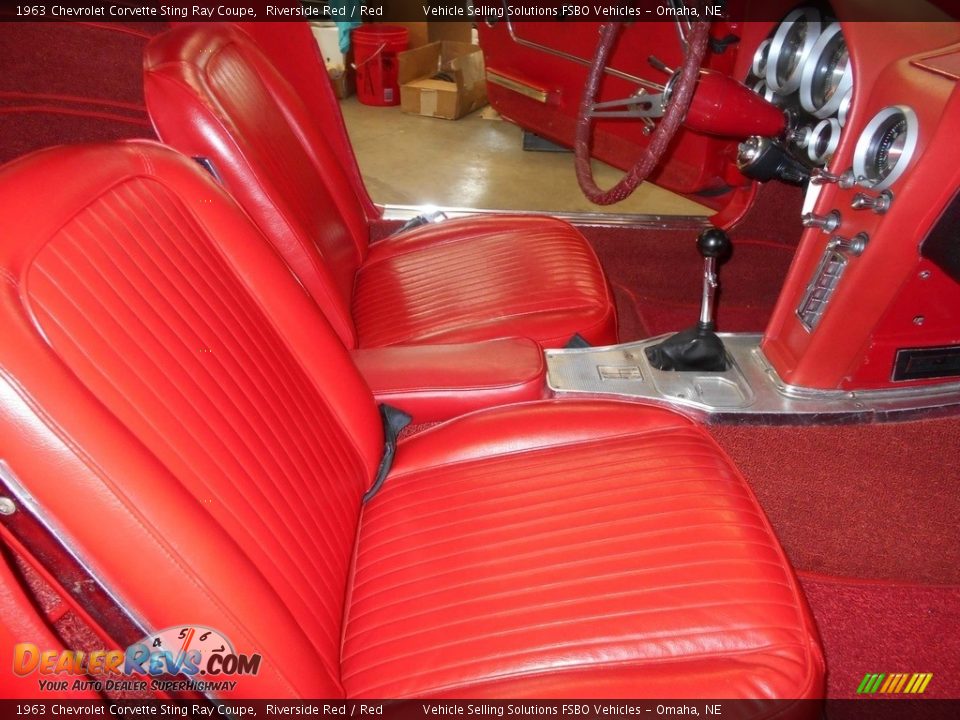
x=823 y=140
x=759 y=66
x=844 y=108
x=761 y=89
x=886 y=147
x=827 y=74
x=790 y=46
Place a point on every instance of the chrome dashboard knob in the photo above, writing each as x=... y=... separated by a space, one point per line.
x=850 y=246
x=844 y=180
x=827 y=223
x=878 y=203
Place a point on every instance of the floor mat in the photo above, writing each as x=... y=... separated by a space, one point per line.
x=871 y=627
x=872 y=501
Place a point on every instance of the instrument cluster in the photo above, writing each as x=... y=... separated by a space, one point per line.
x=804 y=67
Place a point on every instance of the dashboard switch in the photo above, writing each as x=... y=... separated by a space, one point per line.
x=827 y=223
x=850 y=246
x=878 y=203
x=845 y=180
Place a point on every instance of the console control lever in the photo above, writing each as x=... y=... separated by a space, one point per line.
x=844 y=180
x=712 y=244
x=827 y=223
x=878 y=203
x=850 y=246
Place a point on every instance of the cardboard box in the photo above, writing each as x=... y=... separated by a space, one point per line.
x=422 y=32
x=343 y=81
x=442 y=79
x=416 y=31
x=455 y=31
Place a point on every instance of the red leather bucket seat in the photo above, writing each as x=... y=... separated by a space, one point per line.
x=211 y=93
x=182 y=413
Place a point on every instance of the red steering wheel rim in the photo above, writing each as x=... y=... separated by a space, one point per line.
x=667 y=127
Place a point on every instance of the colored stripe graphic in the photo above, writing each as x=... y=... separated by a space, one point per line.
x=870 y=683
x=894 y=683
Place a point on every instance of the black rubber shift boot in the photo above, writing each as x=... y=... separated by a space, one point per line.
x=696 y=348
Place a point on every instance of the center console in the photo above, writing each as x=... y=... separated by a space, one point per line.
x=749 y=390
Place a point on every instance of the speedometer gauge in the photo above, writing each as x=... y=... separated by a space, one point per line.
x=827 y=74
x=886 y=147
x=789 y=49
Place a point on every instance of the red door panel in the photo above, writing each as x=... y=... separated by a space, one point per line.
x=549 y=59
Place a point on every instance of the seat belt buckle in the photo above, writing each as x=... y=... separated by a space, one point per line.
x=427 y=218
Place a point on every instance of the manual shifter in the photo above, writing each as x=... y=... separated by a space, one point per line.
x=698 y=348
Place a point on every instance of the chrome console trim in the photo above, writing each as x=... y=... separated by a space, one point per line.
x=750 y=391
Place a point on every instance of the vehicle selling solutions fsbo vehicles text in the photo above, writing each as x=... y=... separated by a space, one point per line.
x=610 y=12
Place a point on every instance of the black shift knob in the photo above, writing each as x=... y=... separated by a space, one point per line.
x=713 y=242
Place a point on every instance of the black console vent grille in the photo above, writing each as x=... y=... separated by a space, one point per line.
x=927 y=363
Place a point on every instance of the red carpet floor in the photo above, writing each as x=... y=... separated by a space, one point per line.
x=657 y=273
x=868 y=515
x=71 y=82
x=872 y=501
x=657 y=277
x=869 y=627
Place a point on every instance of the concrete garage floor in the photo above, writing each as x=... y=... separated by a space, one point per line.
x=478 y=163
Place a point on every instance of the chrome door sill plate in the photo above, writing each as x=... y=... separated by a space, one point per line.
x=749 y=392
x=657 y=222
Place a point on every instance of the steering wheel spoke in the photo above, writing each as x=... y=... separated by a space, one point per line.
x=639 y=105
x=670 y=105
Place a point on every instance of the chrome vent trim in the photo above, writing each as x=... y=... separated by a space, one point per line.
x=821 y=288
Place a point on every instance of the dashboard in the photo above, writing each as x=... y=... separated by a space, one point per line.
x=872 y=299
x=873 y=116
x=804 y=67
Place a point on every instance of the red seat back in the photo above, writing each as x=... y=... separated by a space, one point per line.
x=211 y=92
x=177 y=405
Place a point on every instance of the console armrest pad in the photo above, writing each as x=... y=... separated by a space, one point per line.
x=438 y=382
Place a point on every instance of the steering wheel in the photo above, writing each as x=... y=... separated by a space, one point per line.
x=675 y=102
